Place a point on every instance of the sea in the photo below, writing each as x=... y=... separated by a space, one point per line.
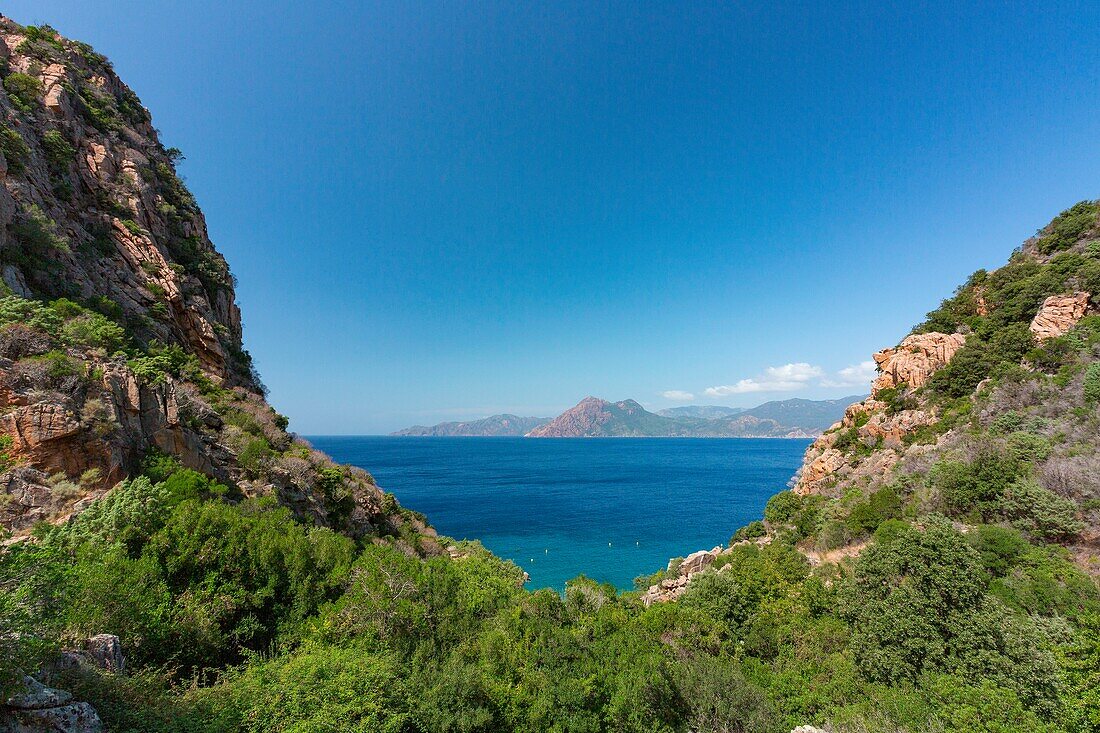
x=611 y=509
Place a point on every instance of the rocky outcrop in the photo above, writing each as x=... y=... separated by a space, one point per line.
x=93 y=213
x=915 y=359
x=669 y=589
x=1058 y=314
x=37 y=708
x=875 y=424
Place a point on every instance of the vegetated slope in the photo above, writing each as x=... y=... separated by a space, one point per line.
x=120 y=337
x=921 y=578
x=596 y=418
x=494 y=425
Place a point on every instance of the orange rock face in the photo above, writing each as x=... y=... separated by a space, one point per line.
x=1058 y=314
x=915 y=359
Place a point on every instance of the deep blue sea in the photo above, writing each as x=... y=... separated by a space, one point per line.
x=611 y=509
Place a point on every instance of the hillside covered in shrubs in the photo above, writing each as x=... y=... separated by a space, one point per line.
x=933 y=569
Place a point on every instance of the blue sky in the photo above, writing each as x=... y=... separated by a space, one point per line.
x=445 y=210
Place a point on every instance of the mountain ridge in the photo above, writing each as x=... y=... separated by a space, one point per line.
x=776 y=418
x=593 y=417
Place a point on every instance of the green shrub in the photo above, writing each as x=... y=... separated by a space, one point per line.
x=1000 y=548
x=866 y=516
x=975 y=488
x=750 y=531
x=917 y=605
x=1029 y=447
x=59 y=152
x=15 y=149
x=1068 y=227
x=59 y=364
x=1092 y=383
x=783 y=508
x=38 y=233
x=94 y=331
x=255 y=455
x=897 y=399
x=23 y=90
x=1040 y=512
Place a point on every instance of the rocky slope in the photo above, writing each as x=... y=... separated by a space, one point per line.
x=593 y=417
x=494 y=425
x=120 y=338
x=997 y=392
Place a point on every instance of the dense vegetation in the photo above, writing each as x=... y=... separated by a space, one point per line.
x=237 y=617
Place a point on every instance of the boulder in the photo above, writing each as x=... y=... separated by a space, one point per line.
x=41 y=709
x=105 y=652
x=1058 y=314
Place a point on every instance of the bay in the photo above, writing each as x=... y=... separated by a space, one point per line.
x=611 y=509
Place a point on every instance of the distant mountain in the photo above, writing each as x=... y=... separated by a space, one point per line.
x=709 y=412
x=596 y=418
x=810 y=415
x=494 y=425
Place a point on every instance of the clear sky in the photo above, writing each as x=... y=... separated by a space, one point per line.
x=442 y=210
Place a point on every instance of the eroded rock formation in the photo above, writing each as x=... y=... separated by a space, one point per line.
x=1058 y=314
x=915 y=359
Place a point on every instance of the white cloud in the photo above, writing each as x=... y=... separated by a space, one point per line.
x=857 y=375
x=678 y=395
x=785 y=378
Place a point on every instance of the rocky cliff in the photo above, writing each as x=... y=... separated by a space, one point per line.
x=120 y=337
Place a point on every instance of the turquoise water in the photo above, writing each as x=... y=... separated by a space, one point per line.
x=611 y=509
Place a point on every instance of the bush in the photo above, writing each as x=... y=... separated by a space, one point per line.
x=750 y=531
x=975 y=488
x=1092 y=383
x=783 y=508
x=23 y=90
x=59 y=152
x=897 y=399
x=15 y=149
x=1040 y=512
x=93 y=331
x=1069 y=226
x=38 y=233
x=866 y=516
x=999 y=547
x=917 y=605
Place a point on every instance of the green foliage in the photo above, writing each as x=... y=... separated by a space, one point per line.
x=1092 y=383
x=38 y=235
x=161 y=362
x=880 y=506
x=783 y=508
x=1039 y=512
x=897 y=399
x=975 y=488
x=1069 y=226
x=59 y=152
x=1000 y=548
x=918 y=605
x=15 y=149
x=750 y=531
x=23 y=90
x=94 y=331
